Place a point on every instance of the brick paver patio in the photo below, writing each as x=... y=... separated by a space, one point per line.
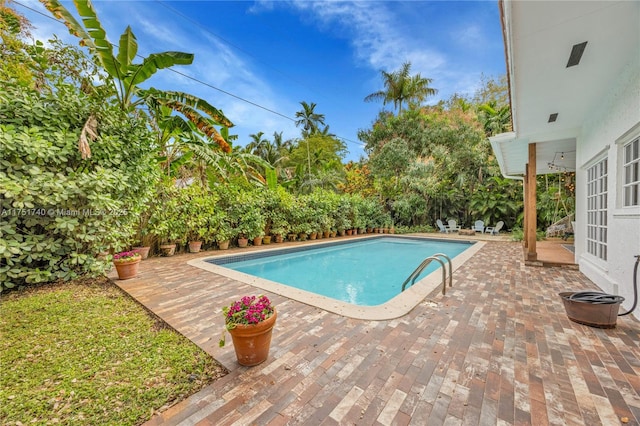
x=497 y=349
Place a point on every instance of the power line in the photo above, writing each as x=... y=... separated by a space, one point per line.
x=196 y=79
x=229 y=43
x=206 y=29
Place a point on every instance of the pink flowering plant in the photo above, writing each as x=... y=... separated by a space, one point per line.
x=246 y=311
x=125 y=256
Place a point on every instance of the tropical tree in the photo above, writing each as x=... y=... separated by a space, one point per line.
x=204 y=116
x=492 y=89
x=17 y=63
x=497 y=199
x=309 y=119
x=495 y=119
x=358 y=180
x=317 y=154
x=127 y=76
x=392 y=161
x=258 y=144
x=433 y=154
x=401 y=86
x=310 y=122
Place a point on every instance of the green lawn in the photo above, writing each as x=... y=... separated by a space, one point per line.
x=85 y=353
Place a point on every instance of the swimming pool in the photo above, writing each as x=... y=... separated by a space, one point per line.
x=359 y=277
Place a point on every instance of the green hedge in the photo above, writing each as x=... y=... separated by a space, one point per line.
x=58 y=210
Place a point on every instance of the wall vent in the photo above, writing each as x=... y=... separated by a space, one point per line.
x=576 y=54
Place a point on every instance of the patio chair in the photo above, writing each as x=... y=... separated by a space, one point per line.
x=494 y=230
x=453 y=225
x=441 y=226
x=478 y=226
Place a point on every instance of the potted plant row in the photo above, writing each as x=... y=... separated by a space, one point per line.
x=200 y=216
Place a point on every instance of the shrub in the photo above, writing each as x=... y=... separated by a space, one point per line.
x=60 y=211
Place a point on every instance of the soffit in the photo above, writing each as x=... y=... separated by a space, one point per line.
x=539 y=37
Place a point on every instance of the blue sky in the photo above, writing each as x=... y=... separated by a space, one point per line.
x=278 y=53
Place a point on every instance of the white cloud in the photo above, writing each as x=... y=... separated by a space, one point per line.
x=469 y=36
x=378 y=35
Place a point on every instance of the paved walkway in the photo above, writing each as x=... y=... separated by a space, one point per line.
x=497 y=349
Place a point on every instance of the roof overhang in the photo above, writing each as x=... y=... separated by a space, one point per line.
x=539 y=39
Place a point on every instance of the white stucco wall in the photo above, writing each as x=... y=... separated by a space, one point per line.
x=616 y=115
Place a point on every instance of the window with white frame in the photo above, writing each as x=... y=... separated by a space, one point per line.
x=597 y=209
x=631 y=167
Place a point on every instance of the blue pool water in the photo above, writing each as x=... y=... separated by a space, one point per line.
x=365 y=273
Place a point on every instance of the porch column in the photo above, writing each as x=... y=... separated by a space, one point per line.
x=525 y=189
x=530 y=214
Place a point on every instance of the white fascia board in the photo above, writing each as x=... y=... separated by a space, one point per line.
x=498 y=144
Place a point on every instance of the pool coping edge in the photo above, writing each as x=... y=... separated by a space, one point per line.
x=396 y=307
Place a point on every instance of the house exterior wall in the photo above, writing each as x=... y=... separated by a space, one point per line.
x=610 y=124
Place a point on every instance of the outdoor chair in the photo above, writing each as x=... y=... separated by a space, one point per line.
x=442 y=227
x=494 y=230
x=478 y=226
x=453 y=225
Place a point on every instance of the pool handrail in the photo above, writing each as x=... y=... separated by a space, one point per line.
x=414 y=275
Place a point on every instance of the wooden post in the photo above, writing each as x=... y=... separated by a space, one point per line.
x=525 y=188
x=530 y=206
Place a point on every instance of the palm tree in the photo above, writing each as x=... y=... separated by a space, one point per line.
x=279 y=143
x=401 y=87
x=258 y=144
x=309 y=119
x=310 y=122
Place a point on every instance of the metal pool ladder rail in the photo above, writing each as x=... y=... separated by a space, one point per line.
x=416 y=273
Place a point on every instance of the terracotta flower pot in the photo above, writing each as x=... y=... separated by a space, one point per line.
x=257 y=241
x=168 y=249
x=313 y=235
x=195 y=246
x=278 y=238
x=243 y=242
x=349 y=231
x=326 y=234
x=251 y=342
x=223 y=245
x=127 y=268
x=144 y=251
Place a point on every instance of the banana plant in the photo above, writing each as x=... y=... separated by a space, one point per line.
x=125 y=74
x=198 y=111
